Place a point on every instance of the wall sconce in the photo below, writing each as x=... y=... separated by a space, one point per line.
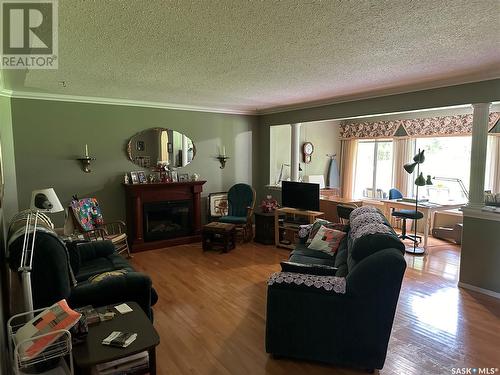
x=86 y=160
x=222 y=160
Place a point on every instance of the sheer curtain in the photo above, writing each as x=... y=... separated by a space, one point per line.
x=349 y=148
x=402 y=154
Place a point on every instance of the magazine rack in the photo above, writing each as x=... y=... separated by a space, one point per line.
x=58 y=349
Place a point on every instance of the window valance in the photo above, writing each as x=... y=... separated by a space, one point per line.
x=422 y=127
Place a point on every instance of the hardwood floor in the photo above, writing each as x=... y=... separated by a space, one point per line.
x=211 y=314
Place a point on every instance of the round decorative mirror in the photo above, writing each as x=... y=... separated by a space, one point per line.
x=167 y=146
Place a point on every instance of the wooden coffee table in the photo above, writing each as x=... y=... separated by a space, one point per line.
x=219 y=235
x=92 y=352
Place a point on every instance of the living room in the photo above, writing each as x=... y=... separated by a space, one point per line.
x=234 y=78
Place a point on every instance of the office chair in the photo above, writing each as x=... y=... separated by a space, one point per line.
x=403 y=215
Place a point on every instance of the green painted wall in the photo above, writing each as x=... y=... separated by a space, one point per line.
x=8 y=207
x=324 y=135
x=480 y=256
x=50 y=135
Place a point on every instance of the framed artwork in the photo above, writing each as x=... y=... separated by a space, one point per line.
x=140 y=146
x=142 y=177
x=174 y=176
x=134 y=177
x=183 y=177
x=217 y=203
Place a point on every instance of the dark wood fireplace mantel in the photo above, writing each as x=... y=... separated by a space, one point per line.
x=139 y=194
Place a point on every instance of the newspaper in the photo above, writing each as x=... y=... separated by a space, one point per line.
x=59 y=316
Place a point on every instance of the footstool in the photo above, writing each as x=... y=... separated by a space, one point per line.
x=218 y=236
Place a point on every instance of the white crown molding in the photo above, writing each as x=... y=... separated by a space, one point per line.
x=488 y=292
x=181 y=107
x=115 y=101
x=374 y=94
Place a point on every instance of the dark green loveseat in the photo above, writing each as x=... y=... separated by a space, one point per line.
x=344 y=319
x=60 y=272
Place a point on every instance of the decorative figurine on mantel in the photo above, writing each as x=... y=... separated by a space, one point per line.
x=195 y=177
x=269 y=204
x=126 y=178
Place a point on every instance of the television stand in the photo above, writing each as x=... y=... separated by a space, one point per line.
x=286 y=231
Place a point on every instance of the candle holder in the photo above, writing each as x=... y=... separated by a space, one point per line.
x=86 y=163
x=222 y=160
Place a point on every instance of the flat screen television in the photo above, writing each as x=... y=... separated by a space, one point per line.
x=300 y=195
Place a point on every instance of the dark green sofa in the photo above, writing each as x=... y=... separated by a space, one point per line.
x=344 y=319
x=60 y=272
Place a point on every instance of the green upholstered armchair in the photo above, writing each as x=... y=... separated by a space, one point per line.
x=241 y=201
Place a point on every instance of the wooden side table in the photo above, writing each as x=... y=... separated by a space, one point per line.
x=219 y=235
x=264 y=228
x=92 y=352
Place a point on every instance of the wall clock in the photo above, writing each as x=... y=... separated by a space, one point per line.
x=307 y=150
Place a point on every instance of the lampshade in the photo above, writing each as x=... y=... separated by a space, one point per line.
x=45 y=200
x=429 y=180
x=420 y=181
x=410 y=167
x=420 y=157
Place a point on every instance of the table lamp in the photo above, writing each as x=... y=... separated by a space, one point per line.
x=43 y=200
x=418 y=159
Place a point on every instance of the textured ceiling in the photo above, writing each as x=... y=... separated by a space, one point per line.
x=245 y=56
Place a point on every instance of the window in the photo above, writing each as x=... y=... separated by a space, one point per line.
x=373 y=175
x=447 y=157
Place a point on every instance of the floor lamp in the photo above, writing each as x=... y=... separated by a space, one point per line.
x=44 y=200
x=418 y=159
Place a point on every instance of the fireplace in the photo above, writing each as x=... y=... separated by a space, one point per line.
x=164 y=220
x=163 y=214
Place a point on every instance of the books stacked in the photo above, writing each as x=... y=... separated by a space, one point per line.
x=127 y=365
x=120 y=339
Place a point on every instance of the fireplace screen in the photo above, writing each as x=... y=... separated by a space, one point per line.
x=164 y=220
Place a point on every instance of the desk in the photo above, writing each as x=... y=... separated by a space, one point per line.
x=328 y=205
x=427 y=209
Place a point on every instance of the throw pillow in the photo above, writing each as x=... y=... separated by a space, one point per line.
x=328 y=224
x=105 y=275
x=327 y=240
x=310 y=269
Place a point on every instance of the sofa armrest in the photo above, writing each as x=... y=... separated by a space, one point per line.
x=132 y=286
x=95 y=249
x=377 y=274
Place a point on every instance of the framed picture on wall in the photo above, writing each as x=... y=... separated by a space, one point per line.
x=142 y=177
x=174 y=176
x=134 y=177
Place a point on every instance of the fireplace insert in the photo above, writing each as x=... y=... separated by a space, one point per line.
x=164 y=220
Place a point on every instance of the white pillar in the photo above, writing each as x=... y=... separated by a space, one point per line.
x=184 y=150
x=478 y=154
x=295 y=152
